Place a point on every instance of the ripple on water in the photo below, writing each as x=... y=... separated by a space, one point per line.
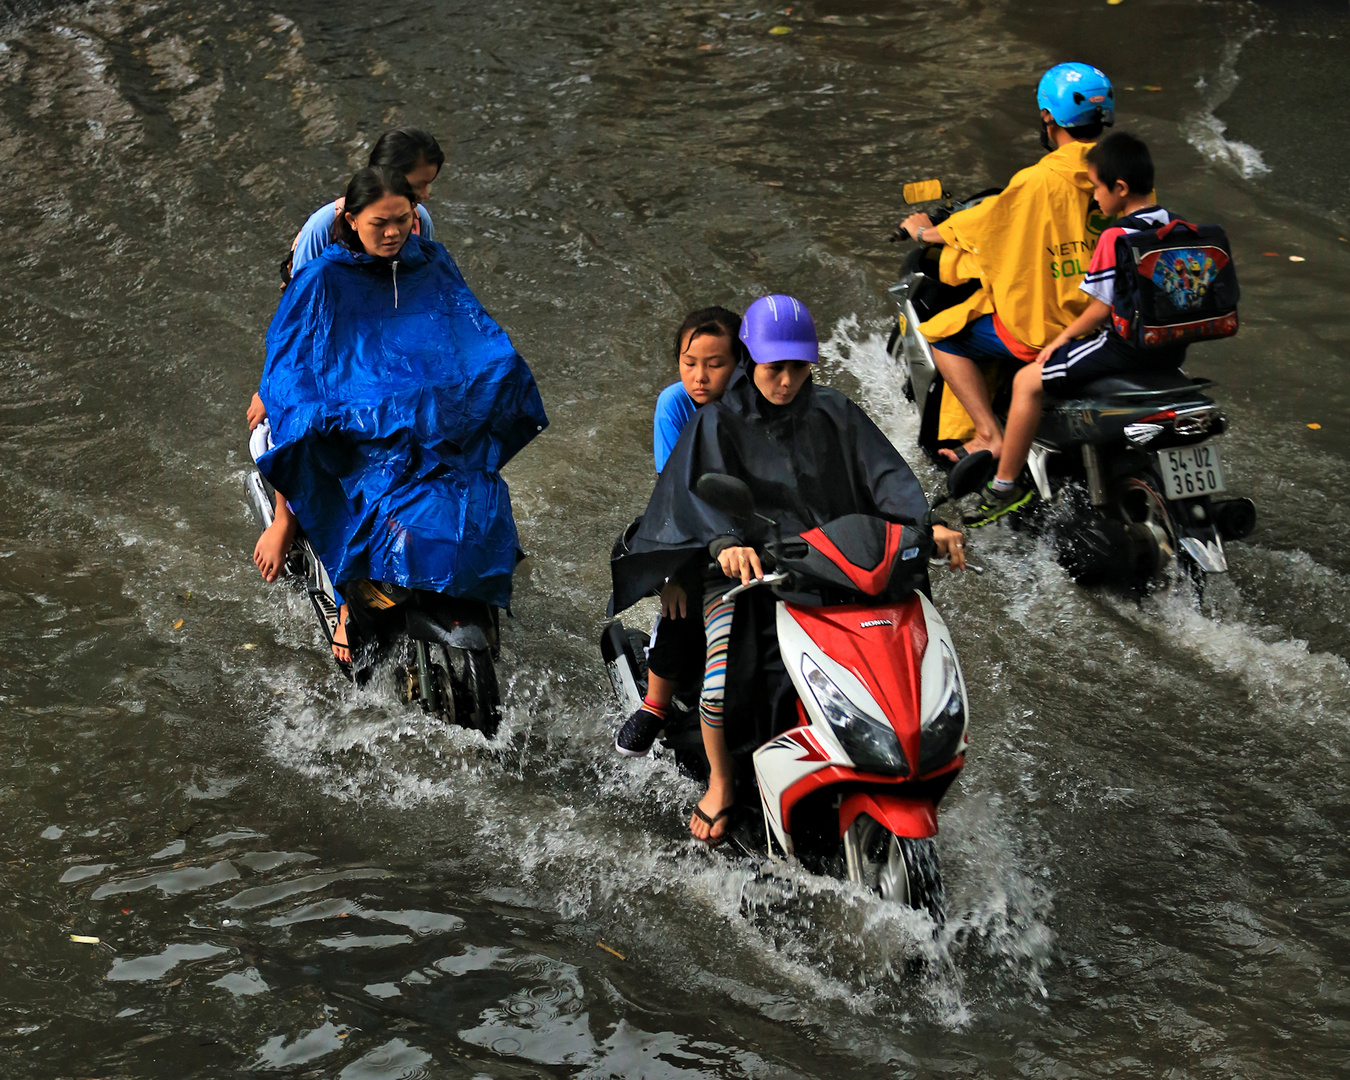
x=149 y=968
x=395 y=1060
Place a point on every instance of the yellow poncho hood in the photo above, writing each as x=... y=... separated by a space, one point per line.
x=1030 y=246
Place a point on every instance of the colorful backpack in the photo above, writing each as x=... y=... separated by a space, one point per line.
x=1174 y=284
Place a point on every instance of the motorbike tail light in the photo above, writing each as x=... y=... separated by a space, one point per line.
x=1158 y=417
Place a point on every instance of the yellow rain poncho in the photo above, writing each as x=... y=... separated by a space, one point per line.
x=1030 y=247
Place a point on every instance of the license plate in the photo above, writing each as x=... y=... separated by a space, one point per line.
x=1189 y=471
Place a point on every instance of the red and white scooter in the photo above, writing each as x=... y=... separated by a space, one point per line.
x=853 y=788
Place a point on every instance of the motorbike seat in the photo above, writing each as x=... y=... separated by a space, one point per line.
x=1143 y=382
x=1142 y=388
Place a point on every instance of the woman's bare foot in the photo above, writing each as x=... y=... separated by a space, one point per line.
x=994 y=444
x=340 y=651
x=269 y=554
x=709 y=820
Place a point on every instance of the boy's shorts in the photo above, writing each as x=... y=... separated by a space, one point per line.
x=1073 y=366
x=977 y=341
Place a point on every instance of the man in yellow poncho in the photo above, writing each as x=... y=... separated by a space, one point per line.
x=1029 y=247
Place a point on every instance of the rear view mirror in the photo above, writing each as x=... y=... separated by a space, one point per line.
x=970 y=474
x=924 y=191
x=727 y=495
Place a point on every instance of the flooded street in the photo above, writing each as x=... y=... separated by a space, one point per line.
x=1144 y=858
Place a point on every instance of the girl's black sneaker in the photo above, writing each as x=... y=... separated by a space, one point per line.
x=638 y=733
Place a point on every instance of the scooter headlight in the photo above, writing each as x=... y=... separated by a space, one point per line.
x=942 y=731
x=869 y=742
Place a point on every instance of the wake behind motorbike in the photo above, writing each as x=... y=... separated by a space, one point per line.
x=441 y=648
x=1129 y=475
x=852 y=786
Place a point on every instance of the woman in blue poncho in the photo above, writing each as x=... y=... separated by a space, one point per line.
x=394 y=400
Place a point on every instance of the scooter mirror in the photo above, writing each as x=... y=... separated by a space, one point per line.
x=726 y=494
x=923 y=191
x=970 y=474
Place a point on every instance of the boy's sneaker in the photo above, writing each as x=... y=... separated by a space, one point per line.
x=995 y=504
x=638 y=733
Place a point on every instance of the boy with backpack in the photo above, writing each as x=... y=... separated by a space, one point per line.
x=1197 y=279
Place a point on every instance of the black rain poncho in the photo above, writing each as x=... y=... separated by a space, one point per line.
x=811 y=461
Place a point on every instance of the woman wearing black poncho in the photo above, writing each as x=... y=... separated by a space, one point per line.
x=809 y=455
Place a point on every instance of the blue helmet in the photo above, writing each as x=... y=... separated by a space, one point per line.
x=777 y=328
x=1077 y=95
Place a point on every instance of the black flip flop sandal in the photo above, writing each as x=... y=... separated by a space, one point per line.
x=710 y=840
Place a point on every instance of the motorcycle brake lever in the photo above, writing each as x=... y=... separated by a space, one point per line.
x=767 y=579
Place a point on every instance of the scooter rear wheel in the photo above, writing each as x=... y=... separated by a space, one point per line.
x=901 y=869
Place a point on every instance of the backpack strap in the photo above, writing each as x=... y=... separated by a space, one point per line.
x=1166 y=230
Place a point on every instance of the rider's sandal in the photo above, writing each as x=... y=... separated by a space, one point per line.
x=710 y=840
x=347 y=663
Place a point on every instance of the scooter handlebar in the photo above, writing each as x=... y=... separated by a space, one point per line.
x=767 y=579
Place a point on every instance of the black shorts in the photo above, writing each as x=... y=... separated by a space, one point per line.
x=1071 y=367
x=678 y=649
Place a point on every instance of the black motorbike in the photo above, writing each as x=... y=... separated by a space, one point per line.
x=441 y=648
x=1129 y=474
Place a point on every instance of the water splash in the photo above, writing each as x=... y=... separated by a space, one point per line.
x=1205 y=131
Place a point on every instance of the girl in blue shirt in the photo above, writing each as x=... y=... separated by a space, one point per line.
x=707 y=351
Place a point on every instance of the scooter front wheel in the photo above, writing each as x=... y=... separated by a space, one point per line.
x=482 y=704
x=900 y=869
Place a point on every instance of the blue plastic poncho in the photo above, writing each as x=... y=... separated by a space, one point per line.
x=395 y=399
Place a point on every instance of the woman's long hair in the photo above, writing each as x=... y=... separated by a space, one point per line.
x=405 y=149
x=369 y=185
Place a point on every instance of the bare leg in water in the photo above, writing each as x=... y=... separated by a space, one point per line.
x=710 y=818
x=1024 y=417
x=721 y=791
x=965 y=380
x=269 y=555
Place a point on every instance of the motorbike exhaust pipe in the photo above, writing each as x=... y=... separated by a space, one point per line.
x=1234 y=518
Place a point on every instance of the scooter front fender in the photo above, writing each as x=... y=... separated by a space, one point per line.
x=915 y=818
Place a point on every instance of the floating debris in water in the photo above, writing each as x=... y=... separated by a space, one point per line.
x=1315 y=427
x=82 y=939
x=612 y=952
x=1297 y=258
x=781 y=30
x=178 y=625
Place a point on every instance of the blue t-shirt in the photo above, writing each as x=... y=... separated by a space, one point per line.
x=318 y=234
x=674 y=407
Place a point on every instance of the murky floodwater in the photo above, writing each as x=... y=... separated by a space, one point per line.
x=1145 y=856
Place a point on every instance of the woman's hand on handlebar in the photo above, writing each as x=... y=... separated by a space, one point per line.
x=674 y=600
x=950 y=544
x=740 y=562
